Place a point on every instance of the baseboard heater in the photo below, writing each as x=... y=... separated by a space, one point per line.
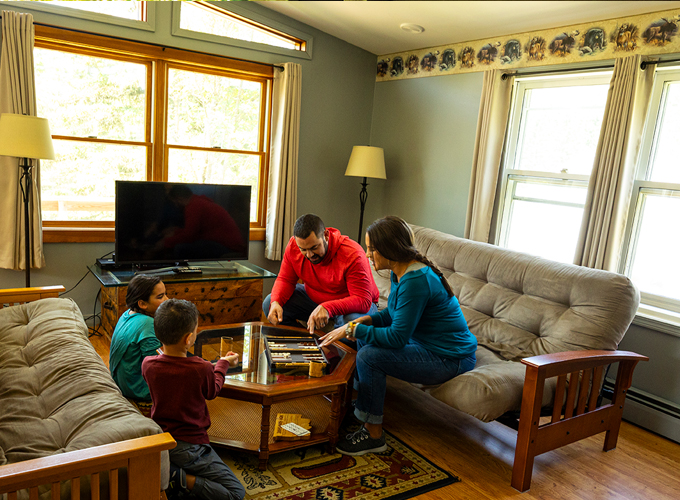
x=644 y=399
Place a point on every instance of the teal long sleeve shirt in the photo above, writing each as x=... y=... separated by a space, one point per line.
x=419 y=310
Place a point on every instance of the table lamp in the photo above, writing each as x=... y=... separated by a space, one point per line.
x=365 y=161
x=26 y=137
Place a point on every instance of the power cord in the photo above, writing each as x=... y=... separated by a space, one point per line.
x=81 y=279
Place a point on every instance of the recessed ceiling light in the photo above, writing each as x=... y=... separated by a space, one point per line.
x=411 y=28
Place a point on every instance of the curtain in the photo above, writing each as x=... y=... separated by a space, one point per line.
x=17 y=95
x=283 y=163
x=613 y=174
x=492 y=122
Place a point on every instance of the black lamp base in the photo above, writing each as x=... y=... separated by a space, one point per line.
x=363 y=196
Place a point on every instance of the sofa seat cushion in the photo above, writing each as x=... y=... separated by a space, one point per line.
x=56 y=394
x=493 y=388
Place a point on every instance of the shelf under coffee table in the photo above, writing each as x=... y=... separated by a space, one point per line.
x=254 y=394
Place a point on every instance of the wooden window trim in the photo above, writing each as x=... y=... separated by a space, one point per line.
x=159 y=59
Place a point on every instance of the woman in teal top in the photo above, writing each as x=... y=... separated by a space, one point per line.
x=421 y=337
x=134 y=337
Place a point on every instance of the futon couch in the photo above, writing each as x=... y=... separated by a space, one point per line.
x=530 y=313
x=58 y=402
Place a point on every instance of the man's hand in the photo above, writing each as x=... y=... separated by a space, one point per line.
x=318 y=319
x=231 y=358
x=275 y=313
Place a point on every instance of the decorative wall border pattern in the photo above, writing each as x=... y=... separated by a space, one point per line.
x=655 y=33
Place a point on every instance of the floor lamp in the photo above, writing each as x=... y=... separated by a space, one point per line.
x=365 y=161
x=26 y=137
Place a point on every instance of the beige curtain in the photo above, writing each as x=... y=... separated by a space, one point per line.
x=283 y=163
x=17 y=95
x=611 y=180
x=492 y=122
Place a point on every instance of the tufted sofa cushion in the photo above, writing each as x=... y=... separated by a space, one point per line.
x=56 y=394
x=518 y=306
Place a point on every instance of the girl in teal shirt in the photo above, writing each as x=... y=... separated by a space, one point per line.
x=134 y=337
x=421 y=337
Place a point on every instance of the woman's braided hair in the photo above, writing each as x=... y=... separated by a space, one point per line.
x=392 y=237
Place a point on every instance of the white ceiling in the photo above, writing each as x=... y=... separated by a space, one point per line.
x=374 y=26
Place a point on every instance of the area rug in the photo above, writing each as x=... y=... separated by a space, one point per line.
x=311 y=474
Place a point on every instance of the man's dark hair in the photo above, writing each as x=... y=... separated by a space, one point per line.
x=174 y=319
x=308 y=223
x=140 y=288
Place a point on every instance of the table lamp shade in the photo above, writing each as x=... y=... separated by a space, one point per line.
x=25 y=136
x=366 y=161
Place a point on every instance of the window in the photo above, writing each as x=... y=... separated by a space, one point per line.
x=202 y=17
x=126 y=10
x=652 y=238
x=125 y=111
x=552 y=137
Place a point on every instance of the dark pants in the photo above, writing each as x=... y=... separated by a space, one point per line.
x=300 y=306
x=214 y=479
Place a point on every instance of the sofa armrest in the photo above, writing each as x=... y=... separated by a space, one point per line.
x=141 y=457
x=580 y=417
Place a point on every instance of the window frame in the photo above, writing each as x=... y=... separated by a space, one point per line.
x=158 y=59
x=510 y=175
x=655 y=311
x=148 y=23
x=242 y=14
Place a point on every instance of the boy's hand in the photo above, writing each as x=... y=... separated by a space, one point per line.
x=231 y=358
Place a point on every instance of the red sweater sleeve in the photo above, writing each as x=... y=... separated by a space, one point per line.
x=360 y=286
x=284 y=286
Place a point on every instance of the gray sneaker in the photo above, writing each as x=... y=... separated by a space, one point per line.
x=360 y=443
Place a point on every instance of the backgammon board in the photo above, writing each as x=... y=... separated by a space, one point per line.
x=285 y=352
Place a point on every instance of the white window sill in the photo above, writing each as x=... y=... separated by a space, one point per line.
x=655 y=318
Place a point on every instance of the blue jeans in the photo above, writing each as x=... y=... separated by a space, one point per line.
x=412 y=363
x=300 y=306
x=214 y=479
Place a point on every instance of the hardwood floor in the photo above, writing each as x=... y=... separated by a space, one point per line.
x=643 y=466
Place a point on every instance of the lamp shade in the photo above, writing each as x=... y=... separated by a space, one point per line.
x=25 y=136
x=366 y=161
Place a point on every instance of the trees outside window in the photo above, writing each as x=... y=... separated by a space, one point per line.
x=126 y=111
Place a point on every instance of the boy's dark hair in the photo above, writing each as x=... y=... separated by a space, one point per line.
x=140 y=288
x=308 y=223
x=174 y=319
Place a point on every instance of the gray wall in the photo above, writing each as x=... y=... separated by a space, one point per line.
x=337 y=101
x=427 y=127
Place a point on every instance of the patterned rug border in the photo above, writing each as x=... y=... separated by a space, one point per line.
x=440 y=476
x=452 y=479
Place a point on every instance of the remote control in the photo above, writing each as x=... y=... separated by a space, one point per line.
x=295 y=429
x=187 y=270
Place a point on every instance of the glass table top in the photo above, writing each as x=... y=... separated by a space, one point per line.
x=210 y=271
x=249 y=342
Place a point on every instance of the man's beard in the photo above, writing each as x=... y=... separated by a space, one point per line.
x=316 y=258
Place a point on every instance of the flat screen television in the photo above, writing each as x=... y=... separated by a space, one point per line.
x=170 y=223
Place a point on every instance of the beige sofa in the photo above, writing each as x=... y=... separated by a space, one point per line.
x=520 y=306
x=61 y=414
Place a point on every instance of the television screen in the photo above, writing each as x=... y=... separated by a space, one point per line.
x=168 y=222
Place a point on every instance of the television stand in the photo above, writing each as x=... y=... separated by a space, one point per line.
x=228 y=293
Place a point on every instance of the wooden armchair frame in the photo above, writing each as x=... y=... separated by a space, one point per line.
x=141 y=456
x=580 y=417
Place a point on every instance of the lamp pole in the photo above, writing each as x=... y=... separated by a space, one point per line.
x=26 y=193
x=363 y=196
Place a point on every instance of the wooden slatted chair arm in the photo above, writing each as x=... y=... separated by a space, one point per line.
x=579 y=417
x=141 y=457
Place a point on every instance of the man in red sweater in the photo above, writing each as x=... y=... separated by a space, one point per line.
x=337 y=282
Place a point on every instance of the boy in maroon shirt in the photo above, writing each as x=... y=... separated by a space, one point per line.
x=179 y=387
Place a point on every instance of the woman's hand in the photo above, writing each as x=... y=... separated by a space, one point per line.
x=329 y=338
